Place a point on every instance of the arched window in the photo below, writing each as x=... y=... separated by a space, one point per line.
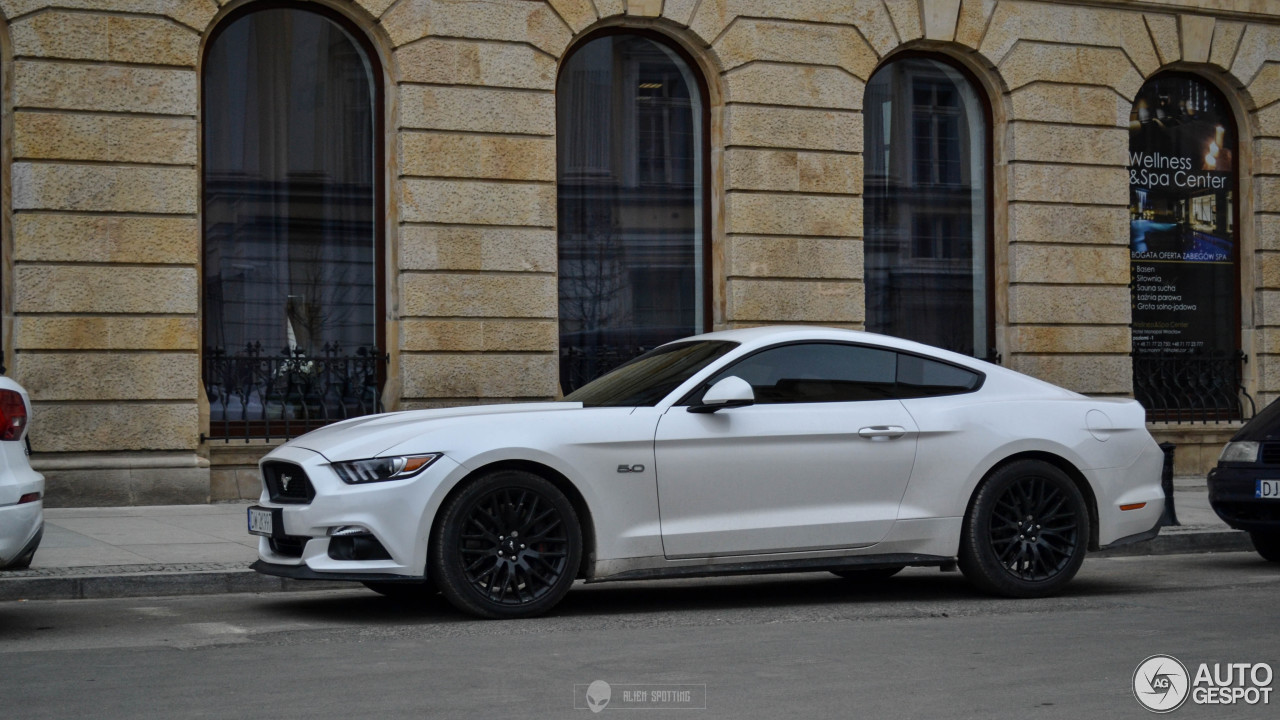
x=926 y=219
x=292 y=216
x=1184 y=250
x=631 y=122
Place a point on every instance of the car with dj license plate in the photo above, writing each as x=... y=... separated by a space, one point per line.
x=1244 y=488
x=764 y=450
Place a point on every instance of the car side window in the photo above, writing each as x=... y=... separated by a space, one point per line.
x=920 y=377
x=816 y=372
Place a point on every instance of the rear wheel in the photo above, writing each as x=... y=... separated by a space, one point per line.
x=508 y=545
x=1026 y=532
x=1267 y=544
x=869 y=574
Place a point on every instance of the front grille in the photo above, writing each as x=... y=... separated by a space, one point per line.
x=1249 y=512
x=288 y=545
x=1270 y=454
x=287 y=483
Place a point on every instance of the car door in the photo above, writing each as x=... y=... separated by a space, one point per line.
x=821 y=460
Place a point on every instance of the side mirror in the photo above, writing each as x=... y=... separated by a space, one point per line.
x=732 y=391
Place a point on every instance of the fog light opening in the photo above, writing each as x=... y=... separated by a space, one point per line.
x=362 y=546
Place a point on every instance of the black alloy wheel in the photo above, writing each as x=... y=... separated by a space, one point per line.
x=1026 y=532
x=508 y=545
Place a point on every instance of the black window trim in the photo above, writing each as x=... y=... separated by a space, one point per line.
x=704 y=385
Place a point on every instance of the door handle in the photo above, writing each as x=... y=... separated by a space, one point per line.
x=882 y=432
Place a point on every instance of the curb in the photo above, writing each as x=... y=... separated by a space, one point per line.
x=1182 y=543
x=125 y=584
x=147 y=584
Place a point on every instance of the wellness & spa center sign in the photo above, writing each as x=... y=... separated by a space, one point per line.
x=1182 y=236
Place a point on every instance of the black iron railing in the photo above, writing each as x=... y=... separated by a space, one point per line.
x=1191 y=388
x=257 y=395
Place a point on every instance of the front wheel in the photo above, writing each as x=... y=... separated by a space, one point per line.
x=508 y=545
x=1267 y=544
x=1026 y=531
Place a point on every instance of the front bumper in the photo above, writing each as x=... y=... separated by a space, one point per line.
x=396 y=514
x=1232 y=496
x=301 y=572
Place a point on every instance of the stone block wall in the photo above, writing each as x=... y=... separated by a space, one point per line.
x=101 y=288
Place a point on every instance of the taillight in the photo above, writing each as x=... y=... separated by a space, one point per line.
x=28 y=498
x=13 y=415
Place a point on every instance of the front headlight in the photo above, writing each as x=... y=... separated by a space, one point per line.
x=357 y=472
x=1239 y=452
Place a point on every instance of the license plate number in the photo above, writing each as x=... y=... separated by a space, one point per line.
x=1268 y=489
x=260 y=522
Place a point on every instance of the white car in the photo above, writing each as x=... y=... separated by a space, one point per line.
x=749 y=451
x=21 y=488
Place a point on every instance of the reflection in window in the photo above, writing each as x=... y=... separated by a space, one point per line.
x=289 y=115
x=926 y=207
x=630 y=169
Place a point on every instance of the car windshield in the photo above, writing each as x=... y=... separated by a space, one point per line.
x=650 y=377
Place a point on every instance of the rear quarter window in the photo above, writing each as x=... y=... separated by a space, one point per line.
x=921 y=377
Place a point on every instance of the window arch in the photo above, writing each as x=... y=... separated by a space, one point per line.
x=632 y=176
x=1185 y=250
x=927 y=217
x=292 y=213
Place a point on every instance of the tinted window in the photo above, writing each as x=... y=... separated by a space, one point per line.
x=650 y=377
x=817 y=372
x=919 y=377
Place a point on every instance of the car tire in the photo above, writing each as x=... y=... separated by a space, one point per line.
x=407 y=592
x=869 y=574
x=1267 y=544
x=507 y=545
x=1026 y=532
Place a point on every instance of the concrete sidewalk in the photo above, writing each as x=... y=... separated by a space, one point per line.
x=202 y=549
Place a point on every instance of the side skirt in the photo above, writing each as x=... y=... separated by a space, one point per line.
x=768 y=567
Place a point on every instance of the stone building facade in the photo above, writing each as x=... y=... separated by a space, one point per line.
x=106 y=183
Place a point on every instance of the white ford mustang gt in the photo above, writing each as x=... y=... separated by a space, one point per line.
x=748 y=451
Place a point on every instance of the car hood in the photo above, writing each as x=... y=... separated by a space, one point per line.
x=373 y=435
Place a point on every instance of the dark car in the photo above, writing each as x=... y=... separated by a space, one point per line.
x=1245 y=487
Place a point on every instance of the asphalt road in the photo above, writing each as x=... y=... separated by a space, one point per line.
x=920 y=645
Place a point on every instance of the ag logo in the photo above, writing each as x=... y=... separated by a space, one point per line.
x=1161 y=683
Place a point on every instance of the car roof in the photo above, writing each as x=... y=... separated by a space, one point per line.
x=757 y=336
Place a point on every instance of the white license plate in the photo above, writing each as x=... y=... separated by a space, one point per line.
x=260 y=522
x=1269 y=489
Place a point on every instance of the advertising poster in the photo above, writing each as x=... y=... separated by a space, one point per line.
x=1182 y=235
